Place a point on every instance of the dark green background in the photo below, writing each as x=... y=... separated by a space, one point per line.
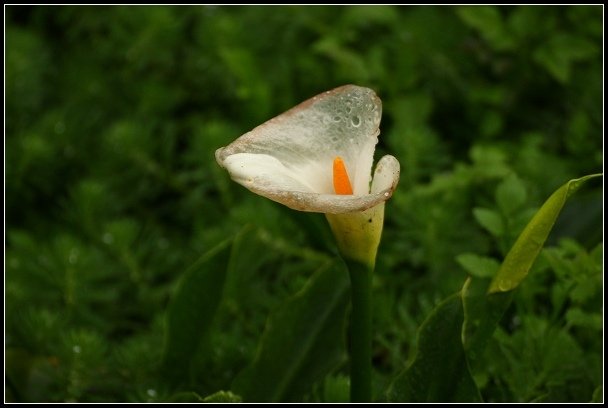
x=113 y=115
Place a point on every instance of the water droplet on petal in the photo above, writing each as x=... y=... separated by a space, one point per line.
x=356 y=121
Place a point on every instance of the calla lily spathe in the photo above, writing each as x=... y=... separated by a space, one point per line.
x=292 y=159
x=289 y=158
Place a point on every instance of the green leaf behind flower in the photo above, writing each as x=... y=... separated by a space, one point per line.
x=191 y=311
x=522 y=255
x=303 y=340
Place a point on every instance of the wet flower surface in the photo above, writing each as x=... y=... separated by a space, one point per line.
x=290 y=158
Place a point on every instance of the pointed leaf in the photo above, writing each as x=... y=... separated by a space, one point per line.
x=510 y=194
x=222 y=397
x=490 y=220
x=522 y=255
x=191 y=311
x=439 y=371
x=479 y=266
x=303 y=340
x=482 y=312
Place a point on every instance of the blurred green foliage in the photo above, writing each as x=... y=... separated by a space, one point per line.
x=113 y=115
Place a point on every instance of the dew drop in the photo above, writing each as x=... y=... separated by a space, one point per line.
x=356 y=121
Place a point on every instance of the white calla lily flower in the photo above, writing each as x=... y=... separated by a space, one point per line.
x=318 y=157
x=289 y=159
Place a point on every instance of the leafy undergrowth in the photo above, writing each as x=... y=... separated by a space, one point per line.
x=135 y=270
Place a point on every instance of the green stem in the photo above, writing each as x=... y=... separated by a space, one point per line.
x=361 y=331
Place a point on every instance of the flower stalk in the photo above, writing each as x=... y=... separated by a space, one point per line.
x=360 y=331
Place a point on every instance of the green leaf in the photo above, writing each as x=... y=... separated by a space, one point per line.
x=439 y=371
x=185 y=397
x=490 y=220
x=479 y=266
x=598 y=394
x=510 y=194
x=522 y=255
x=222 y=397
x=488 y=21
x=193 y=397
x=336 y=389
x=561 y=51
x=585 y=289
x=191 y=311
x=482 y=312
x=577 y=317
x=303 y=341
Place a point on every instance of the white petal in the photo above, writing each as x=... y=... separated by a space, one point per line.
x=386 y=176
x=267 y=176
x=306 y=139
x=263 y=171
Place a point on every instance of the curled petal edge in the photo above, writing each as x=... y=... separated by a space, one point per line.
x=386 y=177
